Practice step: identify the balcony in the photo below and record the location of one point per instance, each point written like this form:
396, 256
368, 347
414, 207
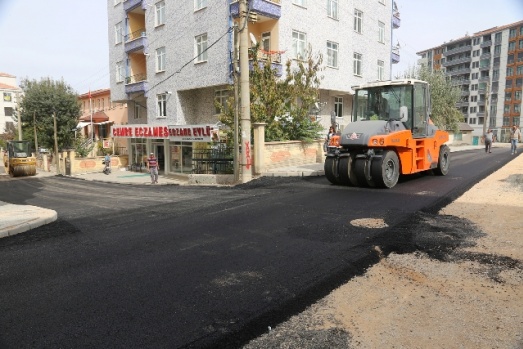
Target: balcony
266, 8
395, 57
136, 83
458, 71
484, 79
265, 56
136, 41
130, 5
396, 20
486, 44
456, 61
464, 48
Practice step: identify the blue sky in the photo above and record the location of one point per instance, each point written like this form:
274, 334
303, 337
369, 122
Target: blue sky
69, 38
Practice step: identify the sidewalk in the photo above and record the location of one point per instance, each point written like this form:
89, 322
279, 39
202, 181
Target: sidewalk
15, 219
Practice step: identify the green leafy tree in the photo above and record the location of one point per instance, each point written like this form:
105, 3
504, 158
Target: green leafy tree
43, 98
283, 104
444, 96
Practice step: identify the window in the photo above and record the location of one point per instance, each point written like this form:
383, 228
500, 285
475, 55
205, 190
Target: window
136, 111
512, 46
201, 48
472, 110
160, 59
381, 70
220, 97
332, 8
381, 32
506, 108
119, 71
506, 121
338, 106
8, 111
497, 37
300, 2
519, 70
358, 19
118, 33
497, 49
512, 33
521, 43
266, 41
161, 102
508, 96
357, 63
517, 109
495, 74
508, 84
199, 4
332, 54
159, 11
299, 43
510, 71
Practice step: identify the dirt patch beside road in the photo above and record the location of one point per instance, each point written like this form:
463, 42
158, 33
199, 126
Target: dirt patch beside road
464, 293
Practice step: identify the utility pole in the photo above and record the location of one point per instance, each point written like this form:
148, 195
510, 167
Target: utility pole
19, 117
246, 157
236, 107
36, 138
487, 93
57, 162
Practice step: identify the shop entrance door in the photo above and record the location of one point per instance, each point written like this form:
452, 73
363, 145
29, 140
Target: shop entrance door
161, 157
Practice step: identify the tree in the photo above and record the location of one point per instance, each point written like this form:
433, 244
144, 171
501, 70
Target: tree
283, 104
444, 96
40, 100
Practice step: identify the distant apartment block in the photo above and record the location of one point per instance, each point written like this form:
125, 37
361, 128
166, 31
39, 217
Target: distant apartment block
171, 60
9, 93
488, 67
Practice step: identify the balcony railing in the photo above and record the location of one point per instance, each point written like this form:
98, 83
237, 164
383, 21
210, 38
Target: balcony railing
136, 83
395, 57
455, 61
130, 5
266, 8
396, 20
136, 41
486, 43
265, 56
464, 48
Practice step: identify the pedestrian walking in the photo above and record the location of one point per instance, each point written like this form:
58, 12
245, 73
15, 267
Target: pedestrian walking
515, 136
489, 138
152, 166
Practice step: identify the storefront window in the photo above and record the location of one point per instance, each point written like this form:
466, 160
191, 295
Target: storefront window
139, 151
181, 157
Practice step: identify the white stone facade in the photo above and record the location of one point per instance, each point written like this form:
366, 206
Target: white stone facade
192, 85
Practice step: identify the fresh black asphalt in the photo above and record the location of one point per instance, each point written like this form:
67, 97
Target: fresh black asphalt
198, 267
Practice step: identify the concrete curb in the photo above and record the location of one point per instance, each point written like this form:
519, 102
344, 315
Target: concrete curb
18, 219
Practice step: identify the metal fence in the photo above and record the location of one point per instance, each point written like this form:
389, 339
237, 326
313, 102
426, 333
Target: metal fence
215, 160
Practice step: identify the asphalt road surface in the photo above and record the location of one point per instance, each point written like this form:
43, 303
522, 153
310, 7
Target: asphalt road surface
197, 267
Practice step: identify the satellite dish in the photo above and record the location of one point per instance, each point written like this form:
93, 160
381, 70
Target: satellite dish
253, 39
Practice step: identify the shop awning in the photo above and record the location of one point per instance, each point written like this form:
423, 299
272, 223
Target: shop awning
81, 125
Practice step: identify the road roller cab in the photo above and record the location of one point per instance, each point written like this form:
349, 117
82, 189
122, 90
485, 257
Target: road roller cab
18, 160
391, 134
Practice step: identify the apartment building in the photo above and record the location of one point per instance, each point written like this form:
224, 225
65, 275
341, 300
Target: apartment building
9, 92
172, 59
488, 67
